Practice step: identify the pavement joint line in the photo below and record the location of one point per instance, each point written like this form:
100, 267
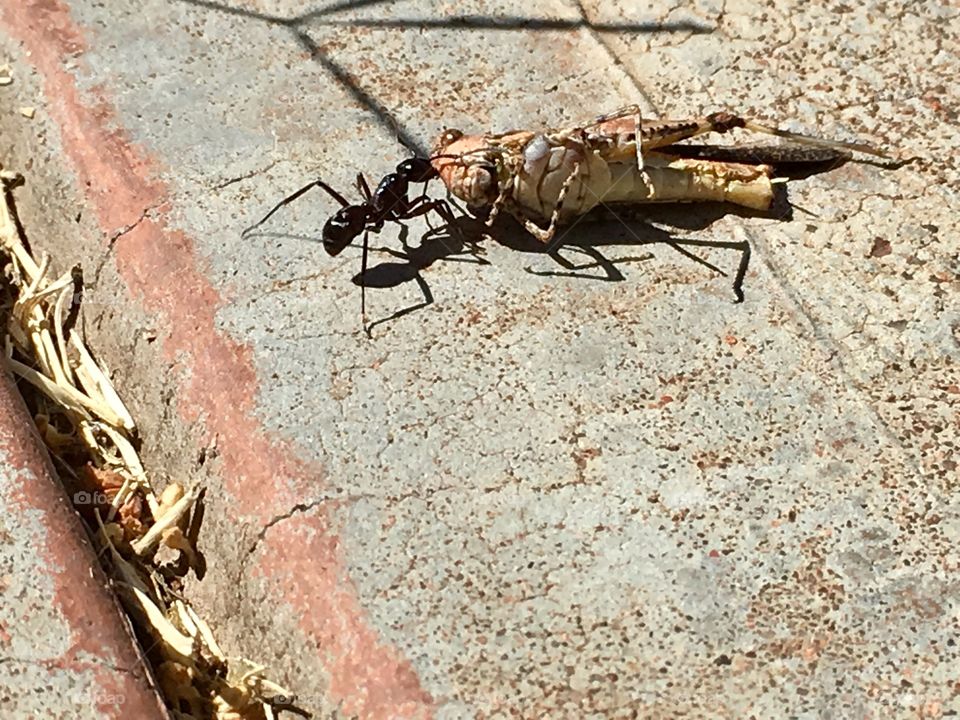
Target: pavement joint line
614, 57
833, 350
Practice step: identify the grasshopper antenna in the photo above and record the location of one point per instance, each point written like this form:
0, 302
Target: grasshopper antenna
818, 142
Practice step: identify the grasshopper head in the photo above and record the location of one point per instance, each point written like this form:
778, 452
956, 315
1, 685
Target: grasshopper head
468, 166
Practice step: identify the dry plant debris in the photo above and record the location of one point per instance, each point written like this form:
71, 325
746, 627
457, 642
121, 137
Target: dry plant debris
93, 438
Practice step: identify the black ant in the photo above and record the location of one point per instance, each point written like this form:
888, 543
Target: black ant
389, 201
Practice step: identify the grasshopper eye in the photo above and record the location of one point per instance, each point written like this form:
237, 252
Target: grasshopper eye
450, 136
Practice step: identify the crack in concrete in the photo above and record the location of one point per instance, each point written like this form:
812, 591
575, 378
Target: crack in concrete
147, 211
284, 284
305, 507
66, 665
246, 176
298, 509
857, 330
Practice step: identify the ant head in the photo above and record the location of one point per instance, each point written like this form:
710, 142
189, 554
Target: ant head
340, 230
417, 170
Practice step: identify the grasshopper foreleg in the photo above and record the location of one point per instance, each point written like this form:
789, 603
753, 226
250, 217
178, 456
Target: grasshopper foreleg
546, 236
506, 190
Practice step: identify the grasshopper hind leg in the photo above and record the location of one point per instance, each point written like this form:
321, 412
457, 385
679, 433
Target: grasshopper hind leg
626, 111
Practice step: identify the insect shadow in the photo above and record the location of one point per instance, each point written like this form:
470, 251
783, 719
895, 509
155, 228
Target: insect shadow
461, 236
456, 241
605, 227
461, 241
607, 224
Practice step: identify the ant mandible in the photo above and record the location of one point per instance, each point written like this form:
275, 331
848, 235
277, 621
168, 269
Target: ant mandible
389, 201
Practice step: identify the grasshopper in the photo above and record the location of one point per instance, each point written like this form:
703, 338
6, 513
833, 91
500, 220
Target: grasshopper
558, 175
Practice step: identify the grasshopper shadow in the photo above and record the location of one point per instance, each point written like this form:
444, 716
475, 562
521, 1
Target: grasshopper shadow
637, 226
462, 243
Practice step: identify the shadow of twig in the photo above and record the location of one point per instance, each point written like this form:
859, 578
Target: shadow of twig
298, 25
513, 22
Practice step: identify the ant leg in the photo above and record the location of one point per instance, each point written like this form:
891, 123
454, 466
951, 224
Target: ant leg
363, 284
363, 187
290, 198
423, 205
442, 208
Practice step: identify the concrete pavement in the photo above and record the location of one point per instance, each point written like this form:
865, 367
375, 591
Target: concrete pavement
543, 495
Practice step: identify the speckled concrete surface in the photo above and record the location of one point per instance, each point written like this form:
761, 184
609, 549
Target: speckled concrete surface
542, 495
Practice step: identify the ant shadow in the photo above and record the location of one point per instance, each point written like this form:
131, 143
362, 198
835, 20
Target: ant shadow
459, 242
